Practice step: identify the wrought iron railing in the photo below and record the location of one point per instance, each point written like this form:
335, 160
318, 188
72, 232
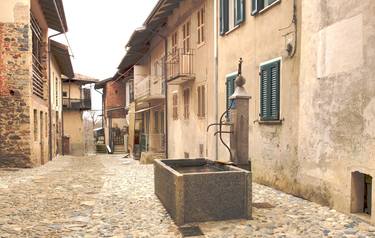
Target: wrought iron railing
180, 64
38, 82
152, 142
76, 104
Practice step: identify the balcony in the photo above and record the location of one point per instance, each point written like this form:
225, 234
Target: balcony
38, 83
76, 104
152, 143
148, 89
180, 66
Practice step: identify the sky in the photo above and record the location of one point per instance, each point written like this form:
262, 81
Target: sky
98, 31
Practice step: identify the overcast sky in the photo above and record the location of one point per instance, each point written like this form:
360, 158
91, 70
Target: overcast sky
98, 32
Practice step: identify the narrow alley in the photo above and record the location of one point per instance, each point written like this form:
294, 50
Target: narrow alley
108, 196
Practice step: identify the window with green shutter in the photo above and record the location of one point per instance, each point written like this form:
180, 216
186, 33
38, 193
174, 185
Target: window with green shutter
258, 5
270, 91
230, 87
232, 13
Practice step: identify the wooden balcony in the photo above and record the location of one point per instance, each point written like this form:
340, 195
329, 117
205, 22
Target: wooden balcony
37, 77
180, 66
71, 104
148, 89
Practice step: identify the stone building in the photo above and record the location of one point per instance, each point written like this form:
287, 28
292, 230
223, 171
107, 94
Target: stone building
336, 110
117, 97
76, 100
60, 64
168, 51
25, 79
309, 67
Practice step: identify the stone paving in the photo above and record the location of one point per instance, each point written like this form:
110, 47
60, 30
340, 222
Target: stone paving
107, 196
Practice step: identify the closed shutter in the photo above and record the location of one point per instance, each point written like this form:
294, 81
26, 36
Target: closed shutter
275, 91
270, 91
240, 11
230, 90
224, 18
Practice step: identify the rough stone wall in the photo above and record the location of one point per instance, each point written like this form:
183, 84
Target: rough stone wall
15, 89
337, 105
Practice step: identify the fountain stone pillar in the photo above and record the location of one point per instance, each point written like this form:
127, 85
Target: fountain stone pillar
239, 117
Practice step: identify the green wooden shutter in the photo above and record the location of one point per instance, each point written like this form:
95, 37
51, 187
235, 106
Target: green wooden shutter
230, 89
270, 91
275, 90
264, 92
239, 11
224, 17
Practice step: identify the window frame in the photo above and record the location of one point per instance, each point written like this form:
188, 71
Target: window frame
224, 18
201, 18
186, 97
263, 64
175, 106
201, 92
186, 36
259, 6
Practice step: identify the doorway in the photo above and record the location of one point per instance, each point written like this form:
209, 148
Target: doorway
361, 193
41, 139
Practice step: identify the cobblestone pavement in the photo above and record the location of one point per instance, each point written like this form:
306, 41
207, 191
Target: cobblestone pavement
107, 196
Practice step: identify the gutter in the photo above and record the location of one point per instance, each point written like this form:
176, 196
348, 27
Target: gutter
216, 77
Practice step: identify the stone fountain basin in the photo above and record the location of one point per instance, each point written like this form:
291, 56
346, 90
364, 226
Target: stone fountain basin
198, 190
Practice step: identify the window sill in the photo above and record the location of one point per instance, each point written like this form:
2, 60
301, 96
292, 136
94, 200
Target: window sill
201, 44
273, 122
267, 8
231, 30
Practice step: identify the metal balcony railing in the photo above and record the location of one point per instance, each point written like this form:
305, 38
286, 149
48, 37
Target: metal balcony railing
180, 64
37, 77
77, 104
152, 142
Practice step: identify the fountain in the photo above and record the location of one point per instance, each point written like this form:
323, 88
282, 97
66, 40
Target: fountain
198, 190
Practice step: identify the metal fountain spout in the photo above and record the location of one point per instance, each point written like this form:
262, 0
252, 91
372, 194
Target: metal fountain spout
238, 124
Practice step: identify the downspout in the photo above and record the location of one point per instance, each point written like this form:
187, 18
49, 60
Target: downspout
166, 95
49, 96
216, 77
62, 119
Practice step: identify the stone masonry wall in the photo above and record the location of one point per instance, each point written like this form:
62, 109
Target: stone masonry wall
15, 90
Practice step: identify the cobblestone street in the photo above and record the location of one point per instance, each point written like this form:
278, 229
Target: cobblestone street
107, 196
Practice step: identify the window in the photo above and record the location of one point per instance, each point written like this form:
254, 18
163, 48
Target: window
230, 90
175, 106
201, 101
131, 91
35, 125
57, 91
46, 124
156, 122
65, 94
200, 28
186, 36
270, 91
259, 5
186, 103
232, 13
174, 43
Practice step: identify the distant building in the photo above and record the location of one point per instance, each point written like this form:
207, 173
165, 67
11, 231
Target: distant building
29, 76
76, 100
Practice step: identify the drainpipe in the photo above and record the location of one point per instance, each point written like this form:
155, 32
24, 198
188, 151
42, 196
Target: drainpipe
166, 96
49, 96
216, 77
